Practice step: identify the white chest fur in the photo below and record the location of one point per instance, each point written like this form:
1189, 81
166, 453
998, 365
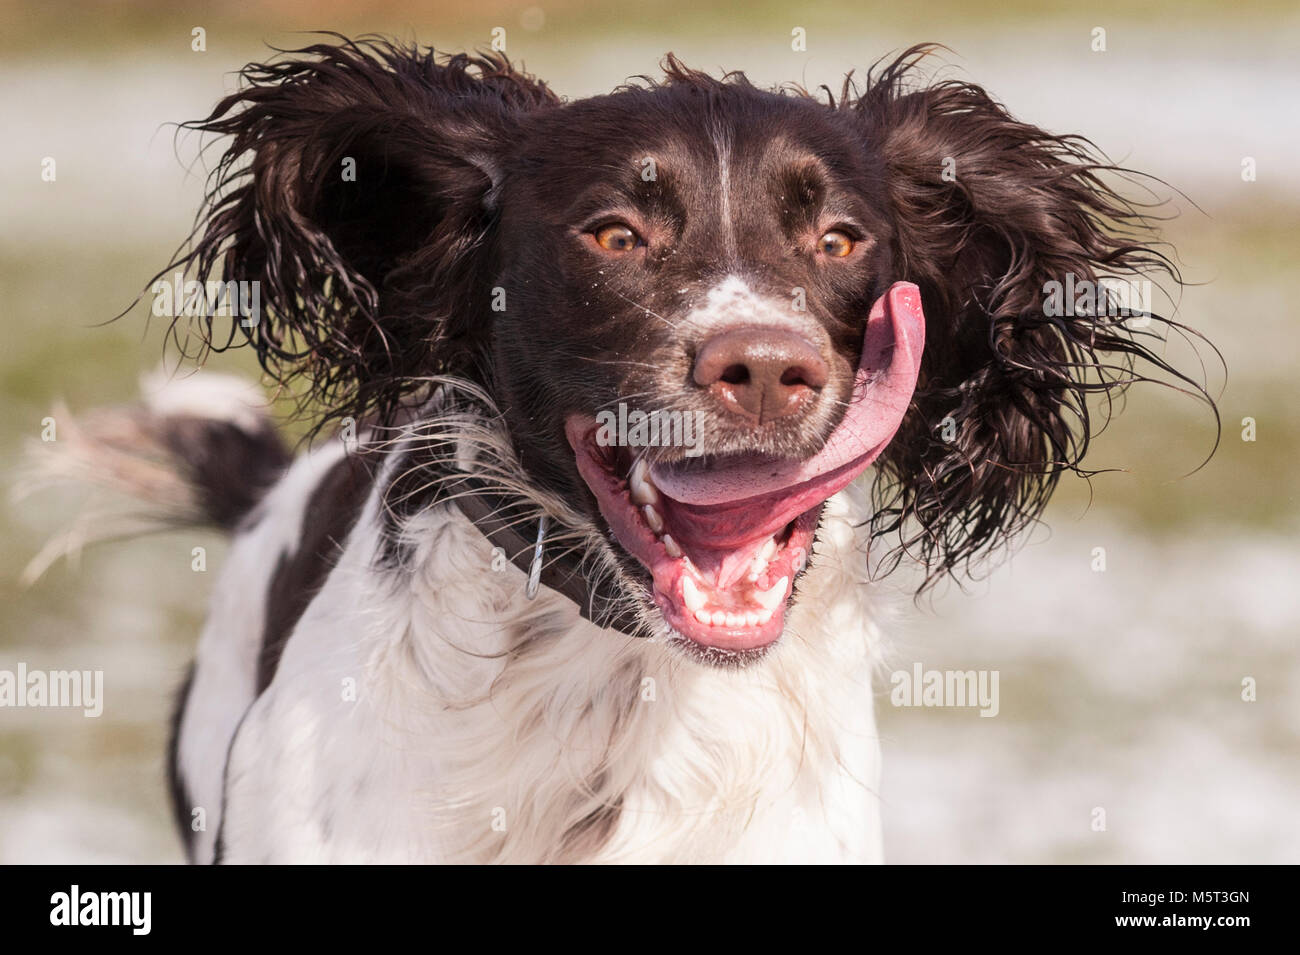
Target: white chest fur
438, 716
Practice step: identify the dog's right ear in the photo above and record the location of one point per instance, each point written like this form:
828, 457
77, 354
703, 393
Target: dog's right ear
357, 192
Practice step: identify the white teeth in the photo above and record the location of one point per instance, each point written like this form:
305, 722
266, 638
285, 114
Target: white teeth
653, 519
691, 595
770, 599
759, 564
798, 559
642, 491
694, 599
670, 545
641, 487
723, 618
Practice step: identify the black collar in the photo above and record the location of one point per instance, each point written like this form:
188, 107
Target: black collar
428, 473
505, 523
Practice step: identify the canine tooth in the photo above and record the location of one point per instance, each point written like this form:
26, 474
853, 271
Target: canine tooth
771, 599
653, 519
670, 545
719, 618
639, 484
768, 551
764, 616
691, 595
703, 616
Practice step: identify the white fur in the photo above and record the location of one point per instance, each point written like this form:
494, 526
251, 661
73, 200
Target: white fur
431, 713
204, 395
485, 727
722, 143
732, 302
225, 666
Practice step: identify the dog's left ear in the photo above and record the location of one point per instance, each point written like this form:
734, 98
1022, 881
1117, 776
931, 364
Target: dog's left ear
356, 192
990, 212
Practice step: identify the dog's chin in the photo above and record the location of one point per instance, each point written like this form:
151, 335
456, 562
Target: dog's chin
715, 657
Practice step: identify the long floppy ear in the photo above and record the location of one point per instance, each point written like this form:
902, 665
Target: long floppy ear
990, 212
356, 192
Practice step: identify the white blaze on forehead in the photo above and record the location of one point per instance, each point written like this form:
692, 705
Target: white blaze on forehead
722, 144
732, 302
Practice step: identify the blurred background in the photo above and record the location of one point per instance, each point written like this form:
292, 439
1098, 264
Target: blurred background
1119, 689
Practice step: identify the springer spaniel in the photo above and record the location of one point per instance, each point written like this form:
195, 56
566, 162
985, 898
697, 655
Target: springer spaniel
575, 568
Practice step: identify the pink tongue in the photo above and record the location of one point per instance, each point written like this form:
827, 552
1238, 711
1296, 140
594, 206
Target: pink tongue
882, 389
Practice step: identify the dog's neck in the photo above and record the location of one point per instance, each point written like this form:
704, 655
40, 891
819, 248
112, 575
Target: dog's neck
496, 517
455, 449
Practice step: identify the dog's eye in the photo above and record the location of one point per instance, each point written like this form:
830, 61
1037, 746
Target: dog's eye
836, 244
616, 237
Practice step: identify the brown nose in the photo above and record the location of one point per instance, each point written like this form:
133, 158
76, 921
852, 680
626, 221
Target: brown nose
760, 373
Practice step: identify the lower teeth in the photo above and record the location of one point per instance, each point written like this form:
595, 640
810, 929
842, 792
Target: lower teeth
720, 618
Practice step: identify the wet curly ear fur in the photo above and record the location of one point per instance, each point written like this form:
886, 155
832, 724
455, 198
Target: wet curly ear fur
1002, 408
356, 189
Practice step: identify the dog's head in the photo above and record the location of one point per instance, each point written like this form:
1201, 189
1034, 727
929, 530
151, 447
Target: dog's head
702, 307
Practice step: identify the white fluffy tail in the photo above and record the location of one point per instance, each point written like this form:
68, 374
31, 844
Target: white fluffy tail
200, 449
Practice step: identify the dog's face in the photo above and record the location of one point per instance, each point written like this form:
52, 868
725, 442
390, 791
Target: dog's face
706, 265
630, 237
701, 307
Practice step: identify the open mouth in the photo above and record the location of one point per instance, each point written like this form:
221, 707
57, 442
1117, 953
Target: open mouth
725, 538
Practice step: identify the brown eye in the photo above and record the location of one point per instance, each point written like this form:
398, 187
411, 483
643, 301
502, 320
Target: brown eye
616, 237
836, 244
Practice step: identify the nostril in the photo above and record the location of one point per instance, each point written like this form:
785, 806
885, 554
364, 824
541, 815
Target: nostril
798, 376
735, 375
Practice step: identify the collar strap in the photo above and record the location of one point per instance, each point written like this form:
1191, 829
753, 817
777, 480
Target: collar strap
511, 527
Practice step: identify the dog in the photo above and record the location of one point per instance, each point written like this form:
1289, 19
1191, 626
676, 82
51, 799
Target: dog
575, 565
